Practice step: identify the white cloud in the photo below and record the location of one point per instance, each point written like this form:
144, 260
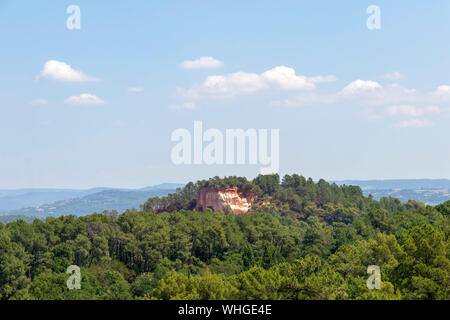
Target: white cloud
443, 89
61, 71
286, 79
305, 100
226, 86
405, 111
323, 79
359, 86
372, 93
39, 102
432, 110
442, 92
365, 93
186, 105
413, 123
412, 112
202, 63
85, 98
379, 102
135, 89
393, 76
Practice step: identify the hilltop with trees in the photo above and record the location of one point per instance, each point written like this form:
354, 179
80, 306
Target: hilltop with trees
310, 241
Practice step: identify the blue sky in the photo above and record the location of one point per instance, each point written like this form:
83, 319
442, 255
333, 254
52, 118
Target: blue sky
350, 103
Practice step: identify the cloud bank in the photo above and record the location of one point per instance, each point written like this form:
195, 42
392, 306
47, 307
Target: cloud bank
238, 83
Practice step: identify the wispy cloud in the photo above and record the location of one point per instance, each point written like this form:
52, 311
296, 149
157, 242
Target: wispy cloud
359, 92
306, 99
118, 123
393, 76
405, 111
201, 63
414, 123
374, 94
61, 71
186, 105
85, 98
39, 102
135, 89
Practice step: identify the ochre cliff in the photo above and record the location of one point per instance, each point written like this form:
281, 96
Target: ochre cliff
226, 199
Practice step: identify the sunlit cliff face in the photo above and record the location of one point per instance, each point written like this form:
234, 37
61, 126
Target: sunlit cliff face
226, 199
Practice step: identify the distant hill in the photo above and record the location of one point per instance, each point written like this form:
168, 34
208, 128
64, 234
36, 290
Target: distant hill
12, 218
76, 202
20, 198
427, 196
98, 202
163, 186
428, 191
398, 184
24, 198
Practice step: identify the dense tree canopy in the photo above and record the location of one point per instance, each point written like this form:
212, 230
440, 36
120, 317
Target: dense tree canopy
310, 241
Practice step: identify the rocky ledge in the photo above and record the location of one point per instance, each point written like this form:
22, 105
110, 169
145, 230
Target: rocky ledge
229, 199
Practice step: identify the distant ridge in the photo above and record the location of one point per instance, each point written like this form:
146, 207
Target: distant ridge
398, 184
428, 191
166, 186
29, 197
106, 200
20, 198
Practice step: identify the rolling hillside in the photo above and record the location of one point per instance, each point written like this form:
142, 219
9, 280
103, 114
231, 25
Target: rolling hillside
105, 199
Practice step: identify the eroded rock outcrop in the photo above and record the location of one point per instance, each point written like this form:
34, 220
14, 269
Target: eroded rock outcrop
226, 199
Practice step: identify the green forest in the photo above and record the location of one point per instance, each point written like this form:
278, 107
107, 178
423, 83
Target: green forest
310, 240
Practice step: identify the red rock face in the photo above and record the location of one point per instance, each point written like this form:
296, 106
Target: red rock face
225, 199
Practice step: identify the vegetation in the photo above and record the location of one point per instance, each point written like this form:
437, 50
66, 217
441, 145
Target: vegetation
313, 241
